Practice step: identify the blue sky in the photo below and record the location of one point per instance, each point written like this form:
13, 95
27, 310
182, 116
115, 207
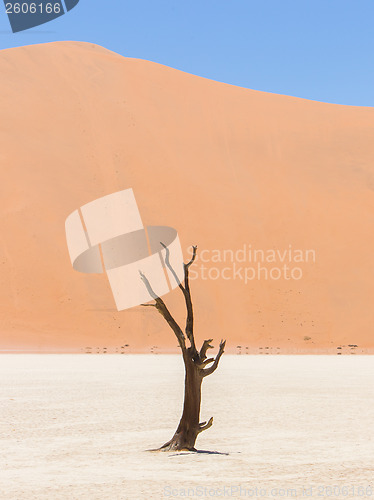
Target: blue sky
317, 49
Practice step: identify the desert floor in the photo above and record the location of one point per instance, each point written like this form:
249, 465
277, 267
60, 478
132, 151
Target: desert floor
78, 427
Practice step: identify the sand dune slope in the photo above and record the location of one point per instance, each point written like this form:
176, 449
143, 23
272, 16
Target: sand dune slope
226, 166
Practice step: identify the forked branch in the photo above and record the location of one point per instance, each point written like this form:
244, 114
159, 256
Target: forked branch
211, 369
205, 347
204, 425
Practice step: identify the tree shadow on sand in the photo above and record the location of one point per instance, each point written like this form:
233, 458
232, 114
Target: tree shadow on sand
194, 452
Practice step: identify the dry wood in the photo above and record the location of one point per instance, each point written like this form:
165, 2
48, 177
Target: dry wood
195, 363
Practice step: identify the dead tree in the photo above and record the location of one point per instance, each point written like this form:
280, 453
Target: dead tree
195, 363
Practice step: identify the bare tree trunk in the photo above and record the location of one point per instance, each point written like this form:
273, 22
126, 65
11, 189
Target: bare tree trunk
195, 363
188, 428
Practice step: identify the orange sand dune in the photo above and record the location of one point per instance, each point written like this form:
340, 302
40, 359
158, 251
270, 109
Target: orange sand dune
226, 166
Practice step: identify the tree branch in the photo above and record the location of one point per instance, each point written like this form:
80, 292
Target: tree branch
186, 292
204, 425
208, 371
194, 251
204, 363
204, 349
164, 311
